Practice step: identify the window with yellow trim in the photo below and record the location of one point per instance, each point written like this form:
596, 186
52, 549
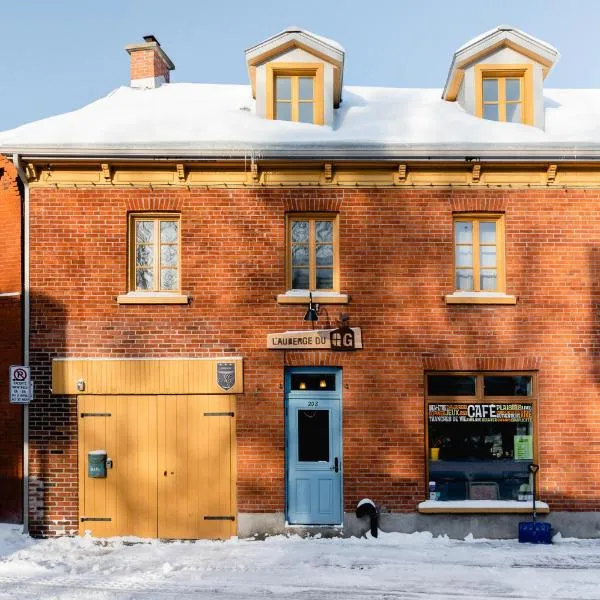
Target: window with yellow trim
503, 99
504, 93
312, 252
295, 92
154, 253
479, 253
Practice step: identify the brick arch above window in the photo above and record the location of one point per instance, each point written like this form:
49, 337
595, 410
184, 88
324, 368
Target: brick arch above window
310, 358
479, 203
297, 203
151, 204
482, 363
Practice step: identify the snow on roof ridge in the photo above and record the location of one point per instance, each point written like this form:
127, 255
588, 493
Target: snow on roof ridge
297, 29
499, 28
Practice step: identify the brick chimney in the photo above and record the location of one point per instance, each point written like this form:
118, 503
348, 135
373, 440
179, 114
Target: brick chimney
150, 66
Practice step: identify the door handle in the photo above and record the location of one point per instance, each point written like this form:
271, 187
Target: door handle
336, 464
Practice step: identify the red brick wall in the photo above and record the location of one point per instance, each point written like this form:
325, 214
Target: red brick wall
11, 437
396, 262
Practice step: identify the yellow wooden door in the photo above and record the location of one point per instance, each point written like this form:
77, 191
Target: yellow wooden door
173, 466
125, 502
196, 491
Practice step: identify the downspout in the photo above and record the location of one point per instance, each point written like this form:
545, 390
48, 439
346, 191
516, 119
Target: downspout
26, 305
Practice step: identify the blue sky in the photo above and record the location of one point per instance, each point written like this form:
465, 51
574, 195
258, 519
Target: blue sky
59, 56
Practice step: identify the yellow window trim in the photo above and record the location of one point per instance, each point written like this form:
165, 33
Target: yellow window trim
131, 280
477, 218
312, 217
294, 70
517, 71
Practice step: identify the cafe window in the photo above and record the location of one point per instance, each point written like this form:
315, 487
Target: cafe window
480, 435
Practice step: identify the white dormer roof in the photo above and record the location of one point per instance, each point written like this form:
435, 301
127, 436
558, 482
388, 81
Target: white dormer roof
502, 36
295, 37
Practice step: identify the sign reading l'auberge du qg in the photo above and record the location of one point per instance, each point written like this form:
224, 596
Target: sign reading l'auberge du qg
21, 387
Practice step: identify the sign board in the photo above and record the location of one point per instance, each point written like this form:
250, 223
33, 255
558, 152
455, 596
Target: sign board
523, 447
480, 413
346, 338
21, 387
226, 375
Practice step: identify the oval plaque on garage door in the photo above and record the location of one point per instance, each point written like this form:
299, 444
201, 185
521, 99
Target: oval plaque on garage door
226, 375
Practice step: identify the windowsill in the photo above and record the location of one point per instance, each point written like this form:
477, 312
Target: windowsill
302, 297
479, 298
152, 298
481, 506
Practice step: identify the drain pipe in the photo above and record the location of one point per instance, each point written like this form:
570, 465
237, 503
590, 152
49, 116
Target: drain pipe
26, 304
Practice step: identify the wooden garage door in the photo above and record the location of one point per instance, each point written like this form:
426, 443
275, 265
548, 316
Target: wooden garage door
173, 472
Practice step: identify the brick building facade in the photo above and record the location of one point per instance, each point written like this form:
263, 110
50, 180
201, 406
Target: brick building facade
397, 249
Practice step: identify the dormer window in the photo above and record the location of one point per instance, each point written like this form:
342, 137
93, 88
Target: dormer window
296, 76
296, 93
503, 94
499, 76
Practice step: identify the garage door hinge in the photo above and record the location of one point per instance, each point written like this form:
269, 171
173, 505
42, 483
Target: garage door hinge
95, 519
83, 415
219, 414
219, 518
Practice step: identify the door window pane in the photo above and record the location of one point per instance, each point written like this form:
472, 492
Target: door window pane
313, 382
313, 435
451, 385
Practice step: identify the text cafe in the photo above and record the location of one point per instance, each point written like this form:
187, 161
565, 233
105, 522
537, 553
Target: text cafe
480, 435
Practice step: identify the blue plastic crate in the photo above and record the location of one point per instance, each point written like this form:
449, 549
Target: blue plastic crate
535, 533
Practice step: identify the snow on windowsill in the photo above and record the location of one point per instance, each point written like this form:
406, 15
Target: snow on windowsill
481, 506
479, 298
303, 297
152, 298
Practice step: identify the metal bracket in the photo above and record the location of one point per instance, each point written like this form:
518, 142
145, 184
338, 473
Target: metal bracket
219, 414
83, 415
210, 518
95, 519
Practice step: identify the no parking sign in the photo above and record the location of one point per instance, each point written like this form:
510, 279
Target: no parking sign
21, 387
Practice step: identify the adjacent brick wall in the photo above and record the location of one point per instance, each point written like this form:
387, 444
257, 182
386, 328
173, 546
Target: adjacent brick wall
396, 262
11, 427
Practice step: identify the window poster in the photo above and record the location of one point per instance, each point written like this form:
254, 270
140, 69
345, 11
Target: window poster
480, 413
523, 447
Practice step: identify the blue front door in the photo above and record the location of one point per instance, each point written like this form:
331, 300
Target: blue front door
314, 450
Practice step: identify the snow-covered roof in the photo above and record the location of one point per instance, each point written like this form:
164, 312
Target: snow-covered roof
198, 120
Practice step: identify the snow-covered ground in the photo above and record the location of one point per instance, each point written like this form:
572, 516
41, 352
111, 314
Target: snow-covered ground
393, 566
